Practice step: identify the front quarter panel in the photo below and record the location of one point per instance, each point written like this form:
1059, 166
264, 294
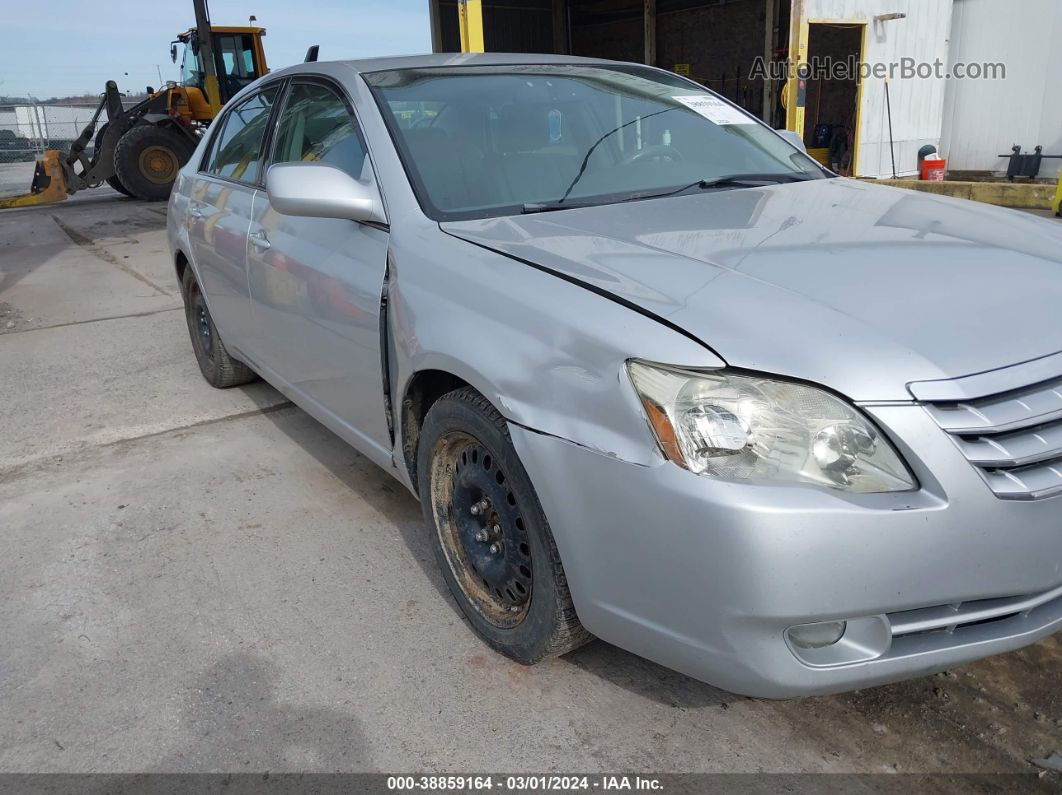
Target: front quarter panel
549, 354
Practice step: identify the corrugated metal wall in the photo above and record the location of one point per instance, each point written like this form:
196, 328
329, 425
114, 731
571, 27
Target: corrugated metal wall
917, 104
518, 25
970, 121
984, 118
447, 38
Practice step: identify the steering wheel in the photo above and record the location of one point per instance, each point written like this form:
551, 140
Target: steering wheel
654, 152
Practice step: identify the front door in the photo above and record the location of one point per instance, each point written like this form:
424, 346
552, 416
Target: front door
219, 214
316, 283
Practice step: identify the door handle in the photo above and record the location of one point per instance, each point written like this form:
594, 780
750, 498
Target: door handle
259, 240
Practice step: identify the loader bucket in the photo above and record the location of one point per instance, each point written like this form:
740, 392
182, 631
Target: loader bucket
48, 186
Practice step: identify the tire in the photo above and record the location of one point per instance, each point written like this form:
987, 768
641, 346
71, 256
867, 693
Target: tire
113, 180
500, 561
116, 183
217, 366
147, 159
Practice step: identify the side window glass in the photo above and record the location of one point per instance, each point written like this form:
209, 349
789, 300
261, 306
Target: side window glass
316, 126
234, 59
238, 148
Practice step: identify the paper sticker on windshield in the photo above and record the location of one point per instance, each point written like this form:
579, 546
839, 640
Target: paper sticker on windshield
714, 109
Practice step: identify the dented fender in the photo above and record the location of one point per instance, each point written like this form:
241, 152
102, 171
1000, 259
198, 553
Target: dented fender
549, 353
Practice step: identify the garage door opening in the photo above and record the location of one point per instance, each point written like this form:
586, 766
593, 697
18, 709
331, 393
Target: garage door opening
831, 117
734, 47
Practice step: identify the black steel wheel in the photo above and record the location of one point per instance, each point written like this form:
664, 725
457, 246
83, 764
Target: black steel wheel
493, 543
484, 538
215, 363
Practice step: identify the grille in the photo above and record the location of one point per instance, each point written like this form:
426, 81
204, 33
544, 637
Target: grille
1014, 439
951, 618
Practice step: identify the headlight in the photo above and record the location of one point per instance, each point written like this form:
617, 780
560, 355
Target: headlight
738, 427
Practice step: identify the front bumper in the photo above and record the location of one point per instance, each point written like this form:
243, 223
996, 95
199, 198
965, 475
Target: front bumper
705, 576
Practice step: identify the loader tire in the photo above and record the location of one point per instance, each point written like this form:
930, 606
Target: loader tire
147, 159
116, 183
112, 180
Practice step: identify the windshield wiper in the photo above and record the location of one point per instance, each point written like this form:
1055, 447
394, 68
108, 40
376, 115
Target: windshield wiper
546, 207
729, 181
590, 151
751, 180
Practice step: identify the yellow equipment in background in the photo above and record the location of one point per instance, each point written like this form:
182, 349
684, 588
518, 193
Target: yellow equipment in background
470, 22
138, 151
1058, 197
47, 186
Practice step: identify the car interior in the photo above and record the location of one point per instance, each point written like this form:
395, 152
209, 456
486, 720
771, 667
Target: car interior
523, 140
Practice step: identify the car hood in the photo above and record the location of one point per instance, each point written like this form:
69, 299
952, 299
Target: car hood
860, 287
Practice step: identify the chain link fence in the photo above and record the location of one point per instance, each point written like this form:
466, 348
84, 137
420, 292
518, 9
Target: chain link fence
27, 130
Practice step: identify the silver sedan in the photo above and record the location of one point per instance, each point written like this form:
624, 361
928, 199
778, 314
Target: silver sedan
654, 375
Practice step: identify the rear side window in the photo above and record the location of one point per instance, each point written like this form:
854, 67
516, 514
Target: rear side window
316, 126
237, 152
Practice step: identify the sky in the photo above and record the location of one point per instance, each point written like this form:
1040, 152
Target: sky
65, 48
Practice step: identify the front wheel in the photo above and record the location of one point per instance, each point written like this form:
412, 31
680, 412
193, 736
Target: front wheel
492, 540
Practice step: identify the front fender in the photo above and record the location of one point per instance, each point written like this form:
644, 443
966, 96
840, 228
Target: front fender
549, 354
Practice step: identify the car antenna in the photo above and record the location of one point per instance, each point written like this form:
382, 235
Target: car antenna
311, 54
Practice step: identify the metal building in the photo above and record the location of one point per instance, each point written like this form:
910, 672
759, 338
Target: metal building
725, 45
985, 118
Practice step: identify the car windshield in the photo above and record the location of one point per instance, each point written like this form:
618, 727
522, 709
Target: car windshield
499, 140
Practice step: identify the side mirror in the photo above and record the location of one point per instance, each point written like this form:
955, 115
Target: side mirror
322, 191
173, 51
796, 139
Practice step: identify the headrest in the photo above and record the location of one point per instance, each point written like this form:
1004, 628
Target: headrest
526, 127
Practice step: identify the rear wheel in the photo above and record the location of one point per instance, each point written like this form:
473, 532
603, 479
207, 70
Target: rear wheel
492, 540
147, 159
217, 366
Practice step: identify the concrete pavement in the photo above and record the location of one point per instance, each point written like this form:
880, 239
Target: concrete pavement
205, 580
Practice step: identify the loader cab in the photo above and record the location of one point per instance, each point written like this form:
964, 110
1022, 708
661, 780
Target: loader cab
239, 59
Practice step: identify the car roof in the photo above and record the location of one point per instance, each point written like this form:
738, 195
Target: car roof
387, 63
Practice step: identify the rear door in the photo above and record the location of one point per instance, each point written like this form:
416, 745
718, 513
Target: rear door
219, 213
316, 283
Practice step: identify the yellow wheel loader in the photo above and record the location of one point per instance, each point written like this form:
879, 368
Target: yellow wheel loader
139, 150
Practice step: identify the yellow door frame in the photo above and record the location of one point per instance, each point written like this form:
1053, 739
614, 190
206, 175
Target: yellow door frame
470, 19
798, 57
795, 111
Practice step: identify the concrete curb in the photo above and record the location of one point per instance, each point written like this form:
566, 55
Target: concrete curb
1019, 195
